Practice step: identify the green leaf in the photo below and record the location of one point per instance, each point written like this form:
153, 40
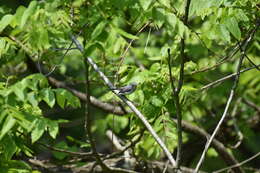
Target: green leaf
18, 89
28, 12
32, 99
65, 98
18, 15
7, 125
5, 21
232, 26
90, 48
125, 34
182, 29
19, 166
223, 32
53, 128
155, 58
60, 97
241, 16
25, 120
98, 30
188, 94
43, 38
172, 20
167, 3
203, 7
48, 96
159, 16
145, 3
119, 123
8, 147
35, 81
38, 131
156, 101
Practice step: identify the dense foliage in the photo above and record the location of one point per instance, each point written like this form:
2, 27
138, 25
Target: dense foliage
43, 81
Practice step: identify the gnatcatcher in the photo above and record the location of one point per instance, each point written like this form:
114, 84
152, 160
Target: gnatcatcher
128, 89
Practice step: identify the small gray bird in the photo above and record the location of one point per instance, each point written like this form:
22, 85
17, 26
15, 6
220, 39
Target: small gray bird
128, 89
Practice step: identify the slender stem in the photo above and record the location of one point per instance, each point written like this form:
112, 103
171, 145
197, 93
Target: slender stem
88, 121
178, 111
178, 89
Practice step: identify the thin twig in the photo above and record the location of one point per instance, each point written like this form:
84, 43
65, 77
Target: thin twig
115, 140
176, 99
166, 166
239, 164
226, 77
122, 56
252, 63
132, 144
89, 154
251, 104
238, 131
129, 45
147, 40
127, 102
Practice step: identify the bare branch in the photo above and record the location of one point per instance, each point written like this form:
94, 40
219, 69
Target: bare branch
88, 154
179, 86
226, 77
238, 131
251, 104
93, 100
178, 110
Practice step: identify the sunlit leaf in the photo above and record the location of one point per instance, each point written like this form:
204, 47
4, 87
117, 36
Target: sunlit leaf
53, 128
6, 126
125, 34
39, 129
28, 12
232, 26
145, 3
5, 21
99, 28
48, 96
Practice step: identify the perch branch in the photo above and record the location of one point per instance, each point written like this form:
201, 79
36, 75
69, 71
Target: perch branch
129, 103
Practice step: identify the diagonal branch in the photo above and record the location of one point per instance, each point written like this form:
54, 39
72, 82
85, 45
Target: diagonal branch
226, 77
238, 164
218, 146
127, 102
